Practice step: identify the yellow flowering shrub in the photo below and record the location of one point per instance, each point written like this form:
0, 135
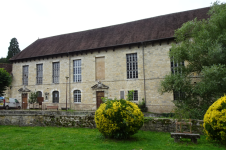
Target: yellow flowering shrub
118, 118
215, 121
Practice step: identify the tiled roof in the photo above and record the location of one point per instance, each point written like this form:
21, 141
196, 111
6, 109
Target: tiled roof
7, 67
155, 28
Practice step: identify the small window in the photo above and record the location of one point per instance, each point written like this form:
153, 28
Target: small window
132, 69
135, 95
178, 95
39, 94
77, 96
176, 67
122, 95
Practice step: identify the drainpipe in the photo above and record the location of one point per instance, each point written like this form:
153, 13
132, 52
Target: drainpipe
144, 73
69, 63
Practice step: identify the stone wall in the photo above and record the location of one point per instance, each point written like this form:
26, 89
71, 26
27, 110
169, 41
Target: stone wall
168, 125
83, 119
47, 118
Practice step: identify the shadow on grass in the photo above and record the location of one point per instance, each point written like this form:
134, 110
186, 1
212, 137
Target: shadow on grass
130, 139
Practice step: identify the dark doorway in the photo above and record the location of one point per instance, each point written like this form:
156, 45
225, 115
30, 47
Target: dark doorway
99, 95
55, 97
24, 100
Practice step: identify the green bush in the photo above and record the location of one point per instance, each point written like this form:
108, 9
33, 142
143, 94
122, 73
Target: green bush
118, 118
142, 106
215, 121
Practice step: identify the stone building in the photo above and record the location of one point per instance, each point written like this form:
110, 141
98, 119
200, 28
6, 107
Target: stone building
103, 62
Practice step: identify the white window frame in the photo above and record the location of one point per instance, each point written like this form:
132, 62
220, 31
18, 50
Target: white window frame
135, 95
122, 94
132, 66
176, 67
77, 96
77, 70
39, 73
56, 72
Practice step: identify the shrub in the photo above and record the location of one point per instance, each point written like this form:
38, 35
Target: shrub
118, 118
215, 121
142, 105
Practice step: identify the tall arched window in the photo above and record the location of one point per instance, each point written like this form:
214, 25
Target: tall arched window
55, 97
77, 96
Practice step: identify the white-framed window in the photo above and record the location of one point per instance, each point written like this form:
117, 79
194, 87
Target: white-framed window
135, 95
122, 95
77, 71
77, 96
56, 72
25, 75
39, 71
132, 69
176, 67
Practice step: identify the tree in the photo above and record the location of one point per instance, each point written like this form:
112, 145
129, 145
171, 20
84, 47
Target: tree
33, 98
5, 80
202, 45
13, 48
4, 60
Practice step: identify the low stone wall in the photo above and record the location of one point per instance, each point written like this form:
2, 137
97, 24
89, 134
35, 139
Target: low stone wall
83, 119
168, 125
48, 118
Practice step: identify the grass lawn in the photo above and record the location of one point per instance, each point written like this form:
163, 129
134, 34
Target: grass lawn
53, 138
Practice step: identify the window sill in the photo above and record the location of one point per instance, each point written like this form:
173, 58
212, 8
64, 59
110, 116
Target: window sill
133, 79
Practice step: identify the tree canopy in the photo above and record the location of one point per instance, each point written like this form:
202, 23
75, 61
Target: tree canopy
5, 80
13, 48
201, 44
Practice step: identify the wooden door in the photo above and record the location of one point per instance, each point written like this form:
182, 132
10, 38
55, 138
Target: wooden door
99, 95
24, 101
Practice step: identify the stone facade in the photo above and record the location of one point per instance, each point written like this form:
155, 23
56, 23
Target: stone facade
153, 61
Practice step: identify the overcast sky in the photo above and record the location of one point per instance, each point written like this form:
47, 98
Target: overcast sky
28, 20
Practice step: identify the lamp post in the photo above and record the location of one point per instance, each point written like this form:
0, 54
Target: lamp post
66, 91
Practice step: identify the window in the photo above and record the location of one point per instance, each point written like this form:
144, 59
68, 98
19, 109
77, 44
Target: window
77, 96
175, 69
135, 95
77, 72
55, 97
131, 62
39, 73
56, 72
178, 95
122, 96
175, 66
25, 75
39, 93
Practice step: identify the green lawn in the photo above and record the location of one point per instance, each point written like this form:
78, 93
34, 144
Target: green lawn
21, 138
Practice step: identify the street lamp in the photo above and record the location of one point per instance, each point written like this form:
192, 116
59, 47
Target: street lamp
66, 90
